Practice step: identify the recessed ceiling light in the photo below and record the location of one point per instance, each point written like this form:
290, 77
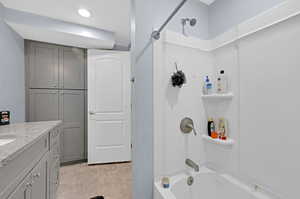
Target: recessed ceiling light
84, 13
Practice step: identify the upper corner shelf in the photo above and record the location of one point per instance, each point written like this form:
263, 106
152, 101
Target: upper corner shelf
218, 96
228, 142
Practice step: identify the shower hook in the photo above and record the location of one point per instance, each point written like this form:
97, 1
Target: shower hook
176, 66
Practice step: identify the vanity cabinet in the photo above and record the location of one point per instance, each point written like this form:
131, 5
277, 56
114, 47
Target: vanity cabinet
34, 173
35, 184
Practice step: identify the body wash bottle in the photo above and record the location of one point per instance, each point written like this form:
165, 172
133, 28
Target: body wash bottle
207, 88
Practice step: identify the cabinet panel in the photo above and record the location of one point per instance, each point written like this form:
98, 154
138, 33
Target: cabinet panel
43, 65
54, 178
54, 163
23, 191
43, 105
73, 116
72, 68
39, 181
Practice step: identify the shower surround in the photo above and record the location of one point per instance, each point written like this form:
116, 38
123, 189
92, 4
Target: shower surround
259, 57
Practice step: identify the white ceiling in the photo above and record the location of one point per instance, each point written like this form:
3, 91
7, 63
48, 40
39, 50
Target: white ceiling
208, 2
111, 15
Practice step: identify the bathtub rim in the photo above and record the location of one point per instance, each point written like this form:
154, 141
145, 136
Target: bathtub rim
167, 193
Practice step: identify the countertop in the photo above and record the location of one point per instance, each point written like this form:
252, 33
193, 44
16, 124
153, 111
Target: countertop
25, 134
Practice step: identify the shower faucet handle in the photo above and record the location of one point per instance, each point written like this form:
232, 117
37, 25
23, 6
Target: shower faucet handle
187, 126
193, 128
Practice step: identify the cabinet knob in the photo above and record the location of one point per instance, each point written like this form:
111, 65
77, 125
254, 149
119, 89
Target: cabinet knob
92, 113
37, 175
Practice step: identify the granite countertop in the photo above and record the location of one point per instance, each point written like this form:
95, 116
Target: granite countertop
25, 134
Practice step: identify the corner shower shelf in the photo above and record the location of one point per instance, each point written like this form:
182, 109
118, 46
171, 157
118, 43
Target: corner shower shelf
228, 142
218, 96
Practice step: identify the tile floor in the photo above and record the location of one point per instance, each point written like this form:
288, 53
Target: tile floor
81, 181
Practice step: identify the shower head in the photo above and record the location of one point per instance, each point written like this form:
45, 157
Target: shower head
192, 21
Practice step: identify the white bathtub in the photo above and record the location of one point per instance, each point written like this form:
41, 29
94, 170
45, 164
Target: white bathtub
207, 185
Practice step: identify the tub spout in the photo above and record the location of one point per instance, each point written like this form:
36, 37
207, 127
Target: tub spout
192, 164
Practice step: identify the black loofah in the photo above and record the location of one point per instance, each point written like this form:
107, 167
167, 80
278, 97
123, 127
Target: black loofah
178, 79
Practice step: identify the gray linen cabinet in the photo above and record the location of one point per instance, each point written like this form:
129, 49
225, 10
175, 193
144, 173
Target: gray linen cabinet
56, 90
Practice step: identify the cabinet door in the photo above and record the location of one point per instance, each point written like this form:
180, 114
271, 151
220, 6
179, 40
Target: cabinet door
23, 191
39, 181
43, 105
72, 68
54, 178
72, 114
43, 65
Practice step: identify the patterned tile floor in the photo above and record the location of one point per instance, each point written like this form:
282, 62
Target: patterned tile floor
80, 181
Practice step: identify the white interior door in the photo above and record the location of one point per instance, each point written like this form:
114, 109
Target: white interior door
109, 123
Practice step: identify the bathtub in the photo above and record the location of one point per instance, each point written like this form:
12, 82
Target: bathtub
207, 185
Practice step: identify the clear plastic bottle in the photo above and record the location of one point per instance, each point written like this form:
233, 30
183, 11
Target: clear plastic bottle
222, 82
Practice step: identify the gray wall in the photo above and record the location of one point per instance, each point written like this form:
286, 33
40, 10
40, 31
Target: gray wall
192, 9
142, 102
12, 83
225, 14
150, 15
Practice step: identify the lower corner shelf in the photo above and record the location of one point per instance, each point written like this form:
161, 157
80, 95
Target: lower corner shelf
228, 142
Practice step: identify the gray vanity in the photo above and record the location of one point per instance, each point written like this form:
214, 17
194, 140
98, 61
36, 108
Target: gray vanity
29, 160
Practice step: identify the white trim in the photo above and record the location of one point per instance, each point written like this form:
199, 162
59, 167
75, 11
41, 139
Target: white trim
191, 42
207, 2
158, 104
275, 15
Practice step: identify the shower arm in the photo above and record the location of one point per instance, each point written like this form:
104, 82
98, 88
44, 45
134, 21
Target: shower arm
156, 34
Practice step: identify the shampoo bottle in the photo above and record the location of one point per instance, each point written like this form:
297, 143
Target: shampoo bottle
210, 125
212, 129
222, 129
222, 82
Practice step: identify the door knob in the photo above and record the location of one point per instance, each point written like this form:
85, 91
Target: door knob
92, 113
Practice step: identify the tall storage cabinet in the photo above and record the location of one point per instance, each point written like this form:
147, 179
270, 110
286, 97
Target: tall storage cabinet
72, 111
56, 90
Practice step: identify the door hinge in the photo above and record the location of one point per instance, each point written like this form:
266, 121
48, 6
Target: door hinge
131, 146
132, 80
